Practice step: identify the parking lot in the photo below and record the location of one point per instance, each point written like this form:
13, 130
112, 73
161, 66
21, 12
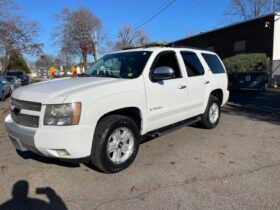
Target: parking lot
234, 166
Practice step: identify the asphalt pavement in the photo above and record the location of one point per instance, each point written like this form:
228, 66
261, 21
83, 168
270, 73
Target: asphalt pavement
265, 101
234, 166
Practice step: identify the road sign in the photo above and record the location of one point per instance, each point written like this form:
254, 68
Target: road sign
74, 68
52, 69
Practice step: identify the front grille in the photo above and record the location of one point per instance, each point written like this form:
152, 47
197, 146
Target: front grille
26, 120
33, 106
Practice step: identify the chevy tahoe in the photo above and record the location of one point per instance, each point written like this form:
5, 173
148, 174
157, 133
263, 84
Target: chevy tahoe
103, 115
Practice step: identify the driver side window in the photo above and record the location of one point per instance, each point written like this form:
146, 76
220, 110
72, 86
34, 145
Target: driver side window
168, 59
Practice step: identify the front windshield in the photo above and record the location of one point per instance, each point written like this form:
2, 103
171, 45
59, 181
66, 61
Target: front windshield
127, 65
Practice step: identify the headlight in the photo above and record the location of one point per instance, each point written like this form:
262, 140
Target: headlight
62, 114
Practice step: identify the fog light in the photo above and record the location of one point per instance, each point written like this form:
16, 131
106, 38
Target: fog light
62, 152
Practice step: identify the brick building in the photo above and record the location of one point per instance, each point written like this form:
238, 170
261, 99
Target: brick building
259, 35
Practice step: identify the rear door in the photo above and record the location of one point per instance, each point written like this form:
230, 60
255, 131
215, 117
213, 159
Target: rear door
197, 81
216, 67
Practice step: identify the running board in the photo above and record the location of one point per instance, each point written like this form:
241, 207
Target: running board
167, 129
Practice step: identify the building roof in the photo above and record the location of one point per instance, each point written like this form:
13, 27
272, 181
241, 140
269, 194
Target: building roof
227, 26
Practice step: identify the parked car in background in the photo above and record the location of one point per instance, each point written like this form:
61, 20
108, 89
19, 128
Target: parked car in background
6, 89
30, 78
13, 81
20, 75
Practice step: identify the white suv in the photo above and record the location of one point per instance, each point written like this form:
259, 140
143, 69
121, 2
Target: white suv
103, 115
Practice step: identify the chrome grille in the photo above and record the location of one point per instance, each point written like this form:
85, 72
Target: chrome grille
33, 106
26, 120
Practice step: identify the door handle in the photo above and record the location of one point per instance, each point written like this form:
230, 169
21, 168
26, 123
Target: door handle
206, 82
182, 86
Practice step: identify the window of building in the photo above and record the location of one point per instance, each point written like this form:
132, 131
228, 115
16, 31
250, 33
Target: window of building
210, 48
239, 46
214, 63
192, 63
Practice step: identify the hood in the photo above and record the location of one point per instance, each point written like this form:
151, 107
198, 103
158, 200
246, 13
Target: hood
57, 90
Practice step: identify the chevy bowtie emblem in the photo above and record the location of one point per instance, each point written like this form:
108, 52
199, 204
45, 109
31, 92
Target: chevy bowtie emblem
16, 111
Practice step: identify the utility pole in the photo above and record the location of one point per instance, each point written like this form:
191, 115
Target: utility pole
272, 6
95, 46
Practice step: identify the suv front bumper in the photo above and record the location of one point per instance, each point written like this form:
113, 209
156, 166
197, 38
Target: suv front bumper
48, 140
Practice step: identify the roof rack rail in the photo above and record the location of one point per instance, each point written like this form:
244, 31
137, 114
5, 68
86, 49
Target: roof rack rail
172, 44
147, 45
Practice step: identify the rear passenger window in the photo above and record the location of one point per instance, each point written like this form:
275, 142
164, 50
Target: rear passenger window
214, 63
192, 63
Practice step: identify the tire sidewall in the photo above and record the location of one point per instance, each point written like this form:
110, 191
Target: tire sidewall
106, 162
212, 100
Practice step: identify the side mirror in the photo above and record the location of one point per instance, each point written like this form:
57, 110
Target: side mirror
162, 72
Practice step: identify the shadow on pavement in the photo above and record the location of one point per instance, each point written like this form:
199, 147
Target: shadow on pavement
272, 118
20, 199
269, 100
33, 156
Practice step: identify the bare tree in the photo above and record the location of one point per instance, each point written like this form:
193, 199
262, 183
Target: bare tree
246, 9
129, 36
75, 32
67, 59
17, 35
6, 8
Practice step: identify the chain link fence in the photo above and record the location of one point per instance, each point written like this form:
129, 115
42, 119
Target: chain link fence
274, 73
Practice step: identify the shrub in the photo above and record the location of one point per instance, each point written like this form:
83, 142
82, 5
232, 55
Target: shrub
255, 62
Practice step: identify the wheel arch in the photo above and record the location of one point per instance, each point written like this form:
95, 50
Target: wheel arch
133, 112
219, 94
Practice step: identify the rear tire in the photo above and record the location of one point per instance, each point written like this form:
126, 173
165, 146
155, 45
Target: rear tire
115, 143
211, 116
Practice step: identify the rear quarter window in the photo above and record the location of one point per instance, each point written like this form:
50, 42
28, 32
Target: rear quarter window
214, 63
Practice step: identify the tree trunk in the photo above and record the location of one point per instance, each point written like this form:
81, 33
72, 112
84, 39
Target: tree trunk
85, 59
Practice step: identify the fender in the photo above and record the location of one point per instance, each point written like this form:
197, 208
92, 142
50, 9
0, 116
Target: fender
116, 101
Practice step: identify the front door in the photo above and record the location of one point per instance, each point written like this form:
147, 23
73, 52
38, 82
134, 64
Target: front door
166, 99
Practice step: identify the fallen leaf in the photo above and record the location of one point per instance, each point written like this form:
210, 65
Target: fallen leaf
224, 181
3, 168
133, 189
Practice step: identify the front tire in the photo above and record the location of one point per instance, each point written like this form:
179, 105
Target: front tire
115, 143
211, 116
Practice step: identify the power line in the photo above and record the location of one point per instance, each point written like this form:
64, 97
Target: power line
155, 15
155, 11
182, 11
144, 21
